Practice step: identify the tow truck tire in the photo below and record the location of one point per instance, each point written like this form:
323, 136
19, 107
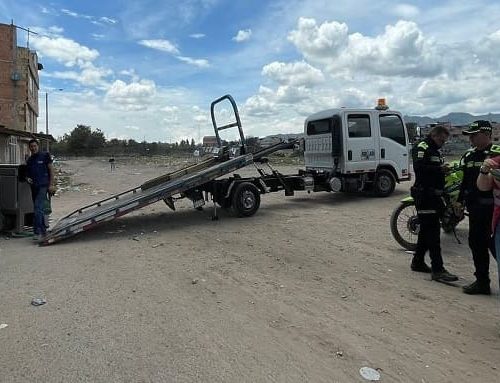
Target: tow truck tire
385, 183
246, 200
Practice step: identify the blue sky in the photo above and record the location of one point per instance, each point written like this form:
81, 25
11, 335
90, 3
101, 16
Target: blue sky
149, 69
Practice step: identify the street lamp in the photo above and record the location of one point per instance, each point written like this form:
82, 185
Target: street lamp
47, 116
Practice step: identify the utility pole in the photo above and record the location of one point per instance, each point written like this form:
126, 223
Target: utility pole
47, 116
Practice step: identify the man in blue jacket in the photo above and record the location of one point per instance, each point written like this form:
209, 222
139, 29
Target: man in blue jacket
41, 178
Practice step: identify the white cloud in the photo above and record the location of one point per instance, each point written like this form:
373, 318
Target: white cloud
63, 50
108, 20
401, 50
161, 45
243, 35
93, 19
89, 75
170, 109
201, 118
200, 63
134, 96
70, 13
131, 73
406, 11
260, 105
322, 41
55, 30
295, 74
197, 35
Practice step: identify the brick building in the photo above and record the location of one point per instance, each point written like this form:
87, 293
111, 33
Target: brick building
19, 85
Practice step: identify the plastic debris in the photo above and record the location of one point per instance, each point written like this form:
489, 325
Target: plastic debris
38, 301
369, 374
3, 325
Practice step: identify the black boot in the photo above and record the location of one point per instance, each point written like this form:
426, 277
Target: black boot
419, 265
443, 276
477, 287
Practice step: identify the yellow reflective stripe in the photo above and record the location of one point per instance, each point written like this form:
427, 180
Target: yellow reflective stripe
495, 149
435, 159
420, 154
423, 145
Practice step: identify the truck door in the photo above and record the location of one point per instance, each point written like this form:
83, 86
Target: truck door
394, 143
361, 149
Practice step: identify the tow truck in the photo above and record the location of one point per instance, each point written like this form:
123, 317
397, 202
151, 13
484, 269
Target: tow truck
344, 150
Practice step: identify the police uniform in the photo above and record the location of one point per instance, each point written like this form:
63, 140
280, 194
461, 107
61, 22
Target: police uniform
427, 191
480, 208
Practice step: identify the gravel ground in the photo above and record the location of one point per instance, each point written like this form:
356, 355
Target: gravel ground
310, 289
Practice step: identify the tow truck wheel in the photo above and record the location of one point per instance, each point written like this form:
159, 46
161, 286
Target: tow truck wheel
246, 200
384, 183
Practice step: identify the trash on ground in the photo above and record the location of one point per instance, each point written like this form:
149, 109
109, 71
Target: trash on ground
3, 325
38, 301
369, 374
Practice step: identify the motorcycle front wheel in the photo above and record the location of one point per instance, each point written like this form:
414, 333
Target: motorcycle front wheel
405, 225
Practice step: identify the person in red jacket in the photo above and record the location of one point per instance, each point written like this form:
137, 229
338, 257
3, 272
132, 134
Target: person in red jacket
489, 179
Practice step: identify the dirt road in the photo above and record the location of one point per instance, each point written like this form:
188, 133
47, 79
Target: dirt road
310, 289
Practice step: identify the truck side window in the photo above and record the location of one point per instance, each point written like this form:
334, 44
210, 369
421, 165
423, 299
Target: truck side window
319, 127
359, 125
392, 127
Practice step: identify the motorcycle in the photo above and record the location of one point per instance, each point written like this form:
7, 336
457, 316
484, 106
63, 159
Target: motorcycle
404, 219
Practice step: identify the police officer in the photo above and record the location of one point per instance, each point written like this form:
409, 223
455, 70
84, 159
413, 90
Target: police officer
479, 203
427, 192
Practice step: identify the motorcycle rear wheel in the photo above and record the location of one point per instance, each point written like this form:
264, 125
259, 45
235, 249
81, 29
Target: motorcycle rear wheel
405, 225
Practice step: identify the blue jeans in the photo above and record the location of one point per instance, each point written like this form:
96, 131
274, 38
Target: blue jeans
39, 194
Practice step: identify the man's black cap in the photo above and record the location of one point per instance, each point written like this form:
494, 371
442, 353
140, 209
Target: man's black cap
478, 126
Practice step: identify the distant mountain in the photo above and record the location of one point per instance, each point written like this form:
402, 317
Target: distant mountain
453, 118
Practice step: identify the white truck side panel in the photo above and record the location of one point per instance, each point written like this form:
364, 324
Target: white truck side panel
318, 152
361, 153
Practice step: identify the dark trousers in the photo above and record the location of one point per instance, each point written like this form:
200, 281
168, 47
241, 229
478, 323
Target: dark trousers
429, 239
480, 241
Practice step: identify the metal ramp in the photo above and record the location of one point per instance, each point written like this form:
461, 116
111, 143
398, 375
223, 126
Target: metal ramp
118, 205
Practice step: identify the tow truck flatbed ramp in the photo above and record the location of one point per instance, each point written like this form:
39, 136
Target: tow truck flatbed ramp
189, 182
118, 205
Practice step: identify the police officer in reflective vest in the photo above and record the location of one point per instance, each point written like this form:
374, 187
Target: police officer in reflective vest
479, 203
427, 192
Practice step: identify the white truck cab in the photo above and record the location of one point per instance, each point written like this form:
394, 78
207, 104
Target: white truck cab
358, 149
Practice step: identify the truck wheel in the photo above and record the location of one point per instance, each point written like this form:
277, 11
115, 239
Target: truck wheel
384, 183
246, 200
